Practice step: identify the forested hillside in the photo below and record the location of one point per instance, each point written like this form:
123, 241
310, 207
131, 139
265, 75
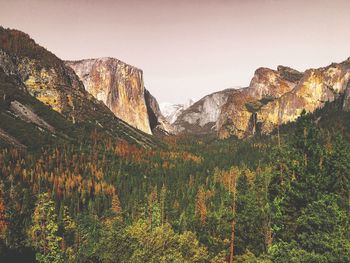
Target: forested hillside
277, 198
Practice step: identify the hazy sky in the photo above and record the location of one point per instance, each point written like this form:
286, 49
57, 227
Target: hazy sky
189, 48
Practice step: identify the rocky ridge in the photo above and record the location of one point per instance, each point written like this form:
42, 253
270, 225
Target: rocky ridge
30, 71
278, 97
273, 97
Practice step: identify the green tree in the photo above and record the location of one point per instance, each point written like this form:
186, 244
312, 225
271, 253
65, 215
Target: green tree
162, 244
44, 231
113, 245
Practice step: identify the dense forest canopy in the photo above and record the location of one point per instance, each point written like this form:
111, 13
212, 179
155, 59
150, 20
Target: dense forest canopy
278, 198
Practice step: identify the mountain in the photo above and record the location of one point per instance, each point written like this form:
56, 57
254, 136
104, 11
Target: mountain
109, 94
172, 111
279, 97
273, 97
29, 71
120, 87
225, 112
201, 117
238, 112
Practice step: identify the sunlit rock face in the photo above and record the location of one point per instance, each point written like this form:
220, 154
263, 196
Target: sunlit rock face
118, 85
31, 70
237, 116
315, 88
45, 77
278, 97
34, 78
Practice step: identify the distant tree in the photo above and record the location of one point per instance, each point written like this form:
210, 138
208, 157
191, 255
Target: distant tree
229, 180
162, 198
152, 204
201, 206
3, 218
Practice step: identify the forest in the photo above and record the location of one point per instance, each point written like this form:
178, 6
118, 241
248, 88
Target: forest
278, 198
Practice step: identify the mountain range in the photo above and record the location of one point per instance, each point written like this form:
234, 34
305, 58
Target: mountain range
50, 99
274, 97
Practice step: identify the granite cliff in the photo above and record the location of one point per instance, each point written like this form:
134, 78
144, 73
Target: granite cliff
110, 94
120, 87
32, 77
273, 97
237, 115
201, 117
171, 111
230, 112
279, 97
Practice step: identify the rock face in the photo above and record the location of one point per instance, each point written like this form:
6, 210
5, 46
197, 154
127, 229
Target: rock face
278, 97
31, 76
172, 111
315, 88
118, 85
45, 76
201, 117
159, 124
237, 116
234, 111
273, 97
42, 82
27, 115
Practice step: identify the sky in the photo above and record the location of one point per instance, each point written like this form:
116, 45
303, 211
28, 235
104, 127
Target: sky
189, 48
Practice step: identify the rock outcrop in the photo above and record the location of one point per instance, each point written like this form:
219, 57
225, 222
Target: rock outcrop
278, 97
315, 88
237, 116
118, 85
57, 87
32, 76
202, 116
274, 97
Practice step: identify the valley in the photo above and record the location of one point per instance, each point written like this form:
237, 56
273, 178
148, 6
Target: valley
94, 169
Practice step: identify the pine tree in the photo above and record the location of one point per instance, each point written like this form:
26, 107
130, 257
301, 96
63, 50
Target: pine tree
152, 199
162, 202
3, 219
229, 180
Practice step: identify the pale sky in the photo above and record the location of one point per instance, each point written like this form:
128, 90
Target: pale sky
189, 48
